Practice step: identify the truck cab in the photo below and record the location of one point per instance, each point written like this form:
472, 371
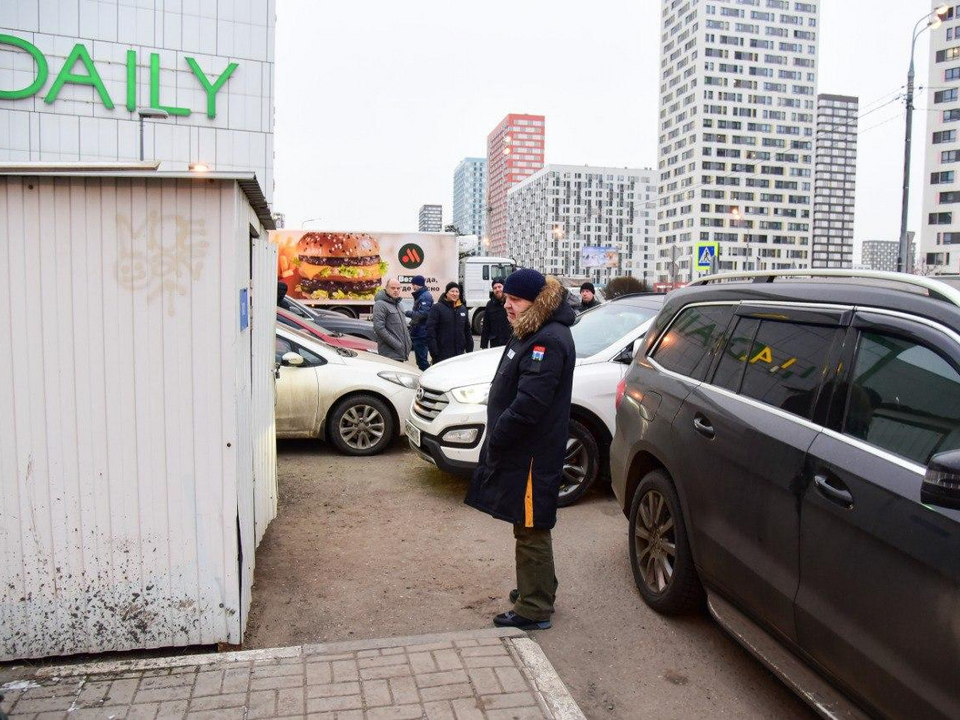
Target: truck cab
476, 275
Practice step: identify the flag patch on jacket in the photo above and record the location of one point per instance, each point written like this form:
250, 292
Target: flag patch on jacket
538, 351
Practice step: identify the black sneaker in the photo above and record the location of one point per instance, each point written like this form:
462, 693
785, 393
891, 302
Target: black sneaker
514, 596
511, 619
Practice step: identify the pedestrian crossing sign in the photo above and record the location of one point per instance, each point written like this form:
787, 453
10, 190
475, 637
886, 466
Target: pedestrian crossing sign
706, 254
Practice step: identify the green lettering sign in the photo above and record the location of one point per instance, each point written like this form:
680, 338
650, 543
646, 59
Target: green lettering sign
42, 70
67, 75
155, 88
131, 80
213, 89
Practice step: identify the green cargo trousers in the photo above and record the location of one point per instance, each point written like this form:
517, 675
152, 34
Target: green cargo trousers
536, 578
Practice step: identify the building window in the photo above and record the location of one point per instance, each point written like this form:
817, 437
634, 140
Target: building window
942, 96
952, 74
943, 136
950, 156
951, 115
940, 218
948, 54
948, 238
941, 178
949, 197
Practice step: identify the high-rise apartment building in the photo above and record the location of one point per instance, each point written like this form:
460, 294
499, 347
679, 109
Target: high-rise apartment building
470, 196
514, 152
431, 218
834, 181
737, 102
581, 220
940, 232
882, 254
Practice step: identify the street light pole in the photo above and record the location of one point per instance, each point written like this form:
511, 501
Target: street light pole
304, 223
930, 20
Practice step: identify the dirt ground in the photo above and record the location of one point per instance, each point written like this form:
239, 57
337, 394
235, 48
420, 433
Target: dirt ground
384, 546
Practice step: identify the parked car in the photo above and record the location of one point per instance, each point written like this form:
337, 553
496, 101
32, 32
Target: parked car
285, 317
330, 319
357, 401
792, 448
448, 418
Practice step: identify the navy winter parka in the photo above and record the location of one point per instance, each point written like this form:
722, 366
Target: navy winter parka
422, 302
528, 416
448, 330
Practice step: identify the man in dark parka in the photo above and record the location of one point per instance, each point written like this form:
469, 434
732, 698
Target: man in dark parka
496, 327
528, 414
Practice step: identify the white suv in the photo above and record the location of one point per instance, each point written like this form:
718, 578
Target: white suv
447, 421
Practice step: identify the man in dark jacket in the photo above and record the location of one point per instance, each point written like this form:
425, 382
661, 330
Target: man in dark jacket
588, 297
422, 302
393, 338
528, 414
496, 327
448, 327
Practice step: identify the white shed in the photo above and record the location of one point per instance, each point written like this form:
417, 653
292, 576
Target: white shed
137, 452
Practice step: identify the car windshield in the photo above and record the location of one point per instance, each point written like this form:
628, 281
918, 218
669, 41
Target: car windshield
596, 330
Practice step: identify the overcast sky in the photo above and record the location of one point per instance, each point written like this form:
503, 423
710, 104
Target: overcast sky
377, 101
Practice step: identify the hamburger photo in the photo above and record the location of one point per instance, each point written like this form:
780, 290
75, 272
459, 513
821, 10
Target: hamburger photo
339, 266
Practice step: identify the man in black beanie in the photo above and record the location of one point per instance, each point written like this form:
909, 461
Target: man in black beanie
496, 327
528, 414
588, 297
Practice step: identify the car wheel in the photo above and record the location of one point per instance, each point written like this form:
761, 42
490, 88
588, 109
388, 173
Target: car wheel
361, 425
346, 311
659, 550
581, 464
478, 322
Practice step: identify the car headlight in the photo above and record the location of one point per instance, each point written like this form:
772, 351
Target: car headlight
472, 394
400, 378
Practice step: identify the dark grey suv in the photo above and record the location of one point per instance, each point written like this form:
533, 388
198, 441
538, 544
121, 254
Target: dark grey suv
789, 449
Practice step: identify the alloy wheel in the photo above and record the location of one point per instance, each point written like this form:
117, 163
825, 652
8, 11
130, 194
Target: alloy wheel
362, 427
576, 462
656, 544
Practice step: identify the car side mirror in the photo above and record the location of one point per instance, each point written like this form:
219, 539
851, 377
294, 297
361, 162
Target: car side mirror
626, 355
941, 484
292, 359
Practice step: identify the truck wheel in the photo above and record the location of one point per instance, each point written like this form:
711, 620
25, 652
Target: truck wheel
360, 425
478, 321
581, 465
345, 311
659, 549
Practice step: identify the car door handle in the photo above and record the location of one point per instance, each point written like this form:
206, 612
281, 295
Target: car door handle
703, 426
839, 495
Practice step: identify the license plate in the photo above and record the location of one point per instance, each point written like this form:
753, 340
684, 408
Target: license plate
413, 433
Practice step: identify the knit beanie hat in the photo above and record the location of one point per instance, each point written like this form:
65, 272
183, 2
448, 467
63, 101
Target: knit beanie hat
524, 283
418, 280
450, 286
497, 281
588, 286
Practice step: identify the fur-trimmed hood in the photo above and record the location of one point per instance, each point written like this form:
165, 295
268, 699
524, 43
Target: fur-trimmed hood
551, 305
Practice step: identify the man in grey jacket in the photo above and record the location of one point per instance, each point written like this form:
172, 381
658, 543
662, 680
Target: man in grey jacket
390, 325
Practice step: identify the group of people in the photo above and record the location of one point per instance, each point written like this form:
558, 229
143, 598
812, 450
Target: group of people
441, 330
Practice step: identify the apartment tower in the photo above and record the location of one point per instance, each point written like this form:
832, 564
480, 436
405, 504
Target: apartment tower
514, 153
737, 115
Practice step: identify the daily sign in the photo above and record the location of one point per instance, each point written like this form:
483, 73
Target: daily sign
92, 77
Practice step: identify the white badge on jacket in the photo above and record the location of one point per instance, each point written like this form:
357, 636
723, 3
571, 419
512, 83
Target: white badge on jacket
510, 354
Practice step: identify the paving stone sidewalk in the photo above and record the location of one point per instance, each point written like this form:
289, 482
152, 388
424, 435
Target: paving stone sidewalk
456, 676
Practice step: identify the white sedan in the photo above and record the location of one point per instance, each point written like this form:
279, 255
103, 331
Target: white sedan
448, 417
357, 401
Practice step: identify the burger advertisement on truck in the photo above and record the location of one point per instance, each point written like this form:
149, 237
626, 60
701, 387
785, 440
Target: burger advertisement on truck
331, 268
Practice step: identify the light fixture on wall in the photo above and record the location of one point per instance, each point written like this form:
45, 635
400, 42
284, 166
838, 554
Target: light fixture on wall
151, 114
199, 167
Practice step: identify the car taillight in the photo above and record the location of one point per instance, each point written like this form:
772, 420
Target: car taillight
621, 389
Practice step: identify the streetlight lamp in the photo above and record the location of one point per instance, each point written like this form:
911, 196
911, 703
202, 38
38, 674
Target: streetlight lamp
304, 223
931, 20
558, 235
153, 114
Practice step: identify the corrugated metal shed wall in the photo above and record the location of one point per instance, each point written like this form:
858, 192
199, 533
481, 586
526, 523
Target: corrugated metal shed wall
124, 442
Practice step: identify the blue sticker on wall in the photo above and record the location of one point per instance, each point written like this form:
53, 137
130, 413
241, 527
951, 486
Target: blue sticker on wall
244, 310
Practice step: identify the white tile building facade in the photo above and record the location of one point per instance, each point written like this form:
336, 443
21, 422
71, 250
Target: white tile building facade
141, 51
940, 231
737, 103
560, 209
470, 196
834, 181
